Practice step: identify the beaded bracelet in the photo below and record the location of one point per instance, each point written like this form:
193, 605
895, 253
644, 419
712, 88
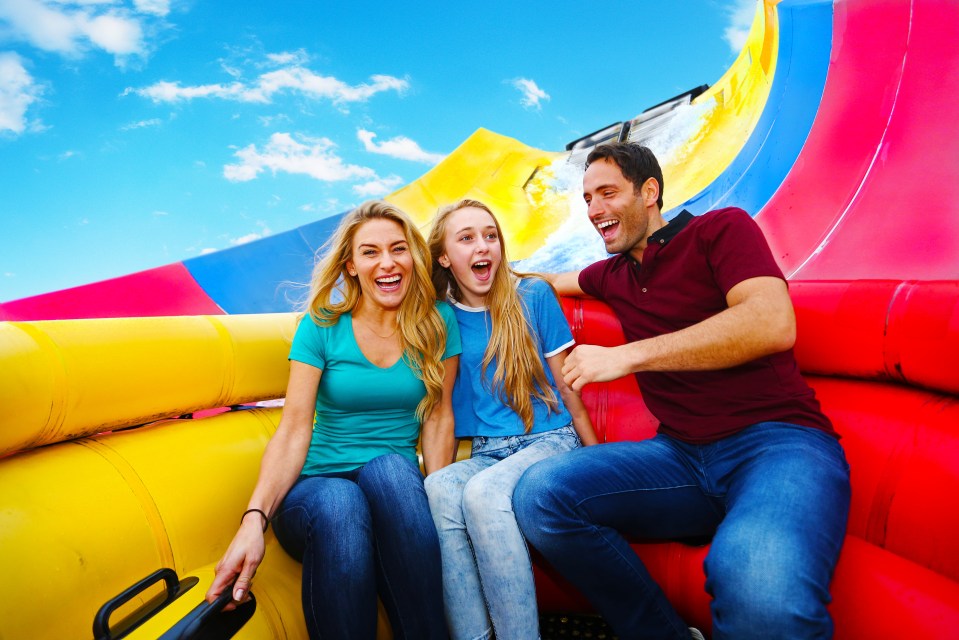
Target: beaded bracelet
266, 518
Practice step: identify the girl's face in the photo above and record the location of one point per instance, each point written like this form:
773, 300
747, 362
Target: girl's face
472, 253
382, 263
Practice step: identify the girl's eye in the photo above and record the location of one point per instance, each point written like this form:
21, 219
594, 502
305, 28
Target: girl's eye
368, 252
399, 249
491, 236
466, 238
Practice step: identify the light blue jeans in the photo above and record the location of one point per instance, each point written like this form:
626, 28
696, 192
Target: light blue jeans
486, 565
774, 497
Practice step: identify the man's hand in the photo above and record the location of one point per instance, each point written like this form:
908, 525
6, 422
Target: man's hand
589, 363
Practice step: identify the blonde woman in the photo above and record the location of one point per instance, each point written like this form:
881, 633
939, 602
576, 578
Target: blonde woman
371, 371
511, 400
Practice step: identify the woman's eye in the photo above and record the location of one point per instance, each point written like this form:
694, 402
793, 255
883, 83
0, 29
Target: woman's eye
466, 238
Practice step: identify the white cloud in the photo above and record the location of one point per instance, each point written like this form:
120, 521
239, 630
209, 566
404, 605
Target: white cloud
17, 92
250, 237
399, 147
72, 28
113, 33
532, 94
298, 57
295, 78
207, 251
161, 213
172, 91
313, 157
378, 187
154, 7
741, 14
153, 122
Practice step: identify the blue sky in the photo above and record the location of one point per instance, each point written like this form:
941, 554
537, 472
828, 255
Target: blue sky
137, 133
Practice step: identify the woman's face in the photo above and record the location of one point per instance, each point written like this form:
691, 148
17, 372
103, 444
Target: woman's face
472, 252
382, 262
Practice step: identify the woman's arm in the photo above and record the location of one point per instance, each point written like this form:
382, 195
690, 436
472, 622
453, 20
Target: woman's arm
574, 403
281, 465
437, 439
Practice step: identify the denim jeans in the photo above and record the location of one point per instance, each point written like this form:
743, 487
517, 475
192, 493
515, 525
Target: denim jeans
486, 564
359, 534
774, 497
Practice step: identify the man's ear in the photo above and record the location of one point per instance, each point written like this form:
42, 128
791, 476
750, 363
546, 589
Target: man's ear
650, 191
444, 261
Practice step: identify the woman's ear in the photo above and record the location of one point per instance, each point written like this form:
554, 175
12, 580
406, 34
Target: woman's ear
444, 261
350, 269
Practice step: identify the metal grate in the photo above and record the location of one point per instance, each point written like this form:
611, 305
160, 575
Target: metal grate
554, 626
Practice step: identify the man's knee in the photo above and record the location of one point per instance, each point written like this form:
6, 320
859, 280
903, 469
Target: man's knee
765, 589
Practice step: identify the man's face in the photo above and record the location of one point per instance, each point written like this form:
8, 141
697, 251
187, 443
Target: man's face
615, 208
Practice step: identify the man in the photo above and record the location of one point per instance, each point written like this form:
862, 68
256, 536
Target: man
743, 454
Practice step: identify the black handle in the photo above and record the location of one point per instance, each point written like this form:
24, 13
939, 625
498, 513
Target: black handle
208, 621
174, 589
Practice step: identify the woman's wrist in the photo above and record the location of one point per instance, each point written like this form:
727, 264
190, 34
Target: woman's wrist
262, 513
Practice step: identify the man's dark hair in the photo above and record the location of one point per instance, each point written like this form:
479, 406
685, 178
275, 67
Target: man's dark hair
637, 163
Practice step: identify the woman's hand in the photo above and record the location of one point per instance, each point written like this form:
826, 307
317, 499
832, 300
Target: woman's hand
240, 562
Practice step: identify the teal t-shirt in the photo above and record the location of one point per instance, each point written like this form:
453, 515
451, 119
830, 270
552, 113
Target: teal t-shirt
362, 410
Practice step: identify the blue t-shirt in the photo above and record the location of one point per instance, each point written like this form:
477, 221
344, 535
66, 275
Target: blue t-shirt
362, 410
477, 408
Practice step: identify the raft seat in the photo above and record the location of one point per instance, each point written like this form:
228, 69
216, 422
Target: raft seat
881, 356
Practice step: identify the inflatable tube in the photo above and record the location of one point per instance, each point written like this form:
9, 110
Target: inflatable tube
68, 379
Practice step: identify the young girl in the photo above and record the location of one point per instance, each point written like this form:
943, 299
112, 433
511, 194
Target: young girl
510, 398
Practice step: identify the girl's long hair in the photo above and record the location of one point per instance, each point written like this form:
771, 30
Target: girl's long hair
334, 292
519, 378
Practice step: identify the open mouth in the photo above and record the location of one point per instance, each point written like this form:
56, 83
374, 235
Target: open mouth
482, 269
389, 283
607, 228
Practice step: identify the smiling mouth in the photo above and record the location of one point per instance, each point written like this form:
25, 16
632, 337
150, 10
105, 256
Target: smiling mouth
389, 283
482, 269
607, 228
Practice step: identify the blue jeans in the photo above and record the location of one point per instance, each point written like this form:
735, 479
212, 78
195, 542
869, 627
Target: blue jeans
359, 534
774, 497
486, 564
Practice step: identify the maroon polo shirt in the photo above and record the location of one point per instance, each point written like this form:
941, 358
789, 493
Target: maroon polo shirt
688, 268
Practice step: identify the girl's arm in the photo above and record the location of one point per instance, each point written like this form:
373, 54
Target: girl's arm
281, 465
574, 403
437, 439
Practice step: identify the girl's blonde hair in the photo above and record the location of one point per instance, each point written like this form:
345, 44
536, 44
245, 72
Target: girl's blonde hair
333, 292
519, 377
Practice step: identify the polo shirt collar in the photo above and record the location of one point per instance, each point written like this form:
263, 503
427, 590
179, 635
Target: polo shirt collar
667, 233
672, 228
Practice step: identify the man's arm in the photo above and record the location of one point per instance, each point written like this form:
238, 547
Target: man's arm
759, 321
566, 284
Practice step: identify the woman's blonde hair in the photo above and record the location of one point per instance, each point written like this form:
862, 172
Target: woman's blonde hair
333, 292
519, 377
